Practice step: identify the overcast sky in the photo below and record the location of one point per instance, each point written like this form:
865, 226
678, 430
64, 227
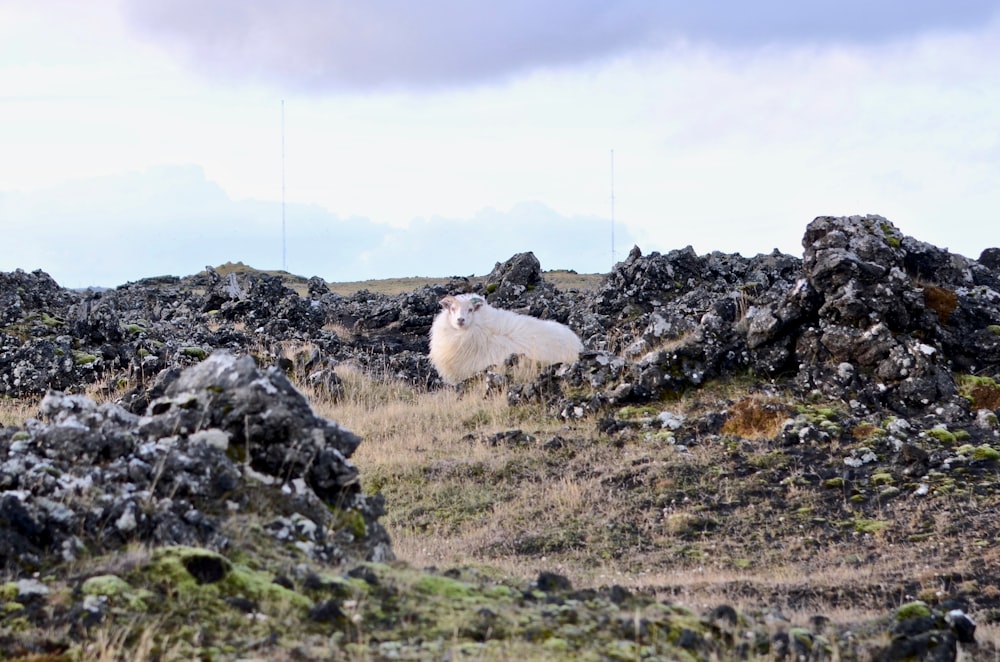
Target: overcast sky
435, 138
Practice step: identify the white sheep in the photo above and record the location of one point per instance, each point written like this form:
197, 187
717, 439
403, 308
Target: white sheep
469, 335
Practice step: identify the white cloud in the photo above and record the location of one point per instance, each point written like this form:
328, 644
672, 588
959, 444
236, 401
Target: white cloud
333, 45
723, 141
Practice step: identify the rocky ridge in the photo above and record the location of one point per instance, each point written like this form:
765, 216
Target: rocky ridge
204, 443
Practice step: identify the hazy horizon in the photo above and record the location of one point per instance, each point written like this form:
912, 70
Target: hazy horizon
154, 137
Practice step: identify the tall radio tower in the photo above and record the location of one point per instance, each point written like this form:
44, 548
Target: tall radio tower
283, 265
613, 209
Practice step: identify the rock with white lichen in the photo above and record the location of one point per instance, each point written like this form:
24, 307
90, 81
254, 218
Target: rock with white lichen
225, 442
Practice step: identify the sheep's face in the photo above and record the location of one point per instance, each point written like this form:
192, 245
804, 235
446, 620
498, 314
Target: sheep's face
461, 310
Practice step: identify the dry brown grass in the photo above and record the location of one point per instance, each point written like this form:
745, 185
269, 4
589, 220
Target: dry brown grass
941, 300
451, 492
564, 280
636, 511
756, 417
15, 411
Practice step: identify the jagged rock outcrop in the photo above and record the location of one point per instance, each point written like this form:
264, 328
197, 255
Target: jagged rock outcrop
903, 315
867, 314
223, 438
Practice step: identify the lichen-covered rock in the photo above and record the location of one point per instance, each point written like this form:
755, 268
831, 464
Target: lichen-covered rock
221, 438
510, 279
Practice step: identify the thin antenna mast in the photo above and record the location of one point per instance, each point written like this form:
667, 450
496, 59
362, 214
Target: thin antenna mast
613, 209
283, 265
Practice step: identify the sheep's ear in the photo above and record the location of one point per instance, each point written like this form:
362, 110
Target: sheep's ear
477, 303
447, 301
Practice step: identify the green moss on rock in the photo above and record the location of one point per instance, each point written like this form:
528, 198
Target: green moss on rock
882, 478
106, 585
83, 358
915, 609
942, 435
119, 592
870, 525
985, 452
8, 591
208, 575
194, 352
351, 520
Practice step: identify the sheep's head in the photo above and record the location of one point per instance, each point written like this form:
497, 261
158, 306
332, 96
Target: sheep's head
461, 309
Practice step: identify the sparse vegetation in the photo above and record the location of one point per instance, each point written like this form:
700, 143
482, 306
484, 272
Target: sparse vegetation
982, 392
756, 417
563, 279
941, 300
492, 508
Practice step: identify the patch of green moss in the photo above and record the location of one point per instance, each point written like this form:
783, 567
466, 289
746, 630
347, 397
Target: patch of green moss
816, 414
942, 435
637, 412
890, 235
870, 525
51, 320
194, 352
261, 587
170, 566
889, 492
834, 483
804, 637
9, 608
353, 521
83, 358
118, 591
915, 609
445, 587
882, 478
499, 592
8, 591
994, 329
986, 452
106, 585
